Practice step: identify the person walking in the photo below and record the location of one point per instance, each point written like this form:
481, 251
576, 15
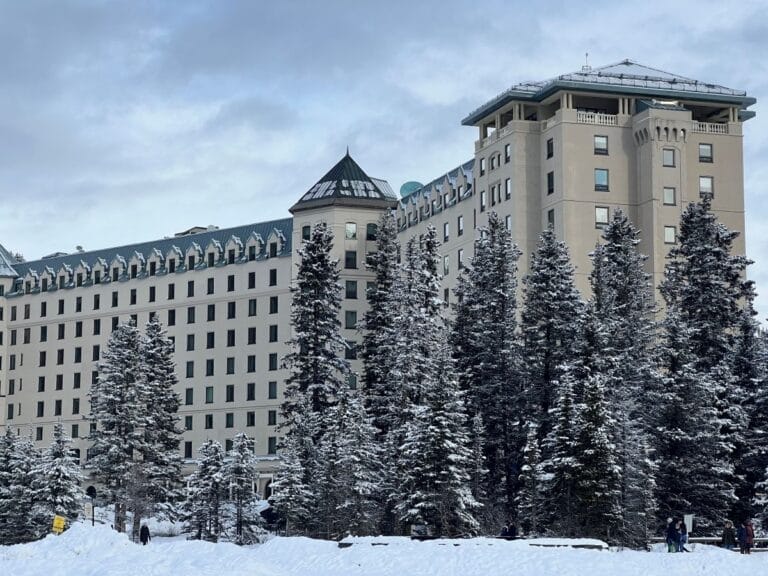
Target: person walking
728, 539
683, 536
749, 537
741, 535
672, 535
144, 535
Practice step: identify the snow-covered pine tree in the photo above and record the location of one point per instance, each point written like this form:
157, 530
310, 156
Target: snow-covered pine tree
704, 287
549, 327
622, 317
436, 461
163, 434
293, 498
205, 492
7, 441
379, 326
359, 467
56, 483
529, 497
316, 360
750, 370
24, 460
560, 466
597, 485
488, 361
243, 521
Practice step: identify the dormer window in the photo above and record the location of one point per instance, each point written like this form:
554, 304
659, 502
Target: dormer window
152, 268
211, 259
272, 249
134, 270
115, 274
191, 263
172, 265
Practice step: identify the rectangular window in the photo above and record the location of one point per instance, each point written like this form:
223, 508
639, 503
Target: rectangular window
172, 265
705, 153
75, 406
550, 182
190, 369
152, 268
250, 419
350, 319
507, 153
59, 381
460, 226
187, 449
483, 201
231, 310
460, 259
230, 365
230, 338
41, 383
231, 283
446, 265
446, 231
273, 304
350, 231
251, 280
251, 335
250, 391
190, 342
601, 179
132, 301
190, 289
189, 396
251, 363
273, 332
551, 218
350, 351
601, 145
40, 409
670, 234
706, 186
191, 263
96, 353
272, 418
211, 312
57, 407
187, 422
229, 420
272, 390
273, 276
272, 359
77, 380
350, 289
507, 189
601, 216
251, 253
230, 393
79, 304
75, 430
670, 196
550, 148
209, 421
171, 291
371, 232
152, 294
114, 300
306, 232
350, 259
668, 157
210, 340
78, 355
508, 222
272, 249
171, 317
191, 315
482, 166
209, 394
272, 445
209, 367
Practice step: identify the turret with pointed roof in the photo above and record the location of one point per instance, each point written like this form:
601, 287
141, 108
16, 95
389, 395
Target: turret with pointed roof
346, 184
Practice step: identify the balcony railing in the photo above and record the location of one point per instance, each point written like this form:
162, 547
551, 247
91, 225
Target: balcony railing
596, 118
710, 128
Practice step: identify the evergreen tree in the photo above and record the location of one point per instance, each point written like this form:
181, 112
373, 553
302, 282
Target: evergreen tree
202, 508
7, 443
240, 476
163, 459
550, 326
597, 476
291, 495
55, 487
487, 358
437, 461
118, 408
379, 351
24, 460
316, 363
529, 498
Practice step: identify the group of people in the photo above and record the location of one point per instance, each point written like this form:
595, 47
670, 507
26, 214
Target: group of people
744, 536
677, 535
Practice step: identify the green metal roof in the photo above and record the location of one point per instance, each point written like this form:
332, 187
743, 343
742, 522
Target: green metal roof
625, 77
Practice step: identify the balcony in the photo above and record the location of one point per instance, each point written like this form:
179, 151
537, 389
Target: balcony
710, 128
597, 118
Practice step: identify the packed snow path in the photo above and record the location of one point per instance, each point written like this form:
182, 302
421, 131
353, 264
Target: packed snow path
99, 551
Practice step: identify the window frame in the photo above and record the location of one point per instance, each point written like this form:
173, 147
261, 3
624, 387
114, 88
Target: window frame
602, 187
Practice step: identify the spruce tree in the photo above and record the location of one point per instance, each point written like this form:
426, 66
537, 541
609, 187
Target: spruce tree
529, 497
163, 435
379, 326
549, 325
292, 496
21, 522
202, 508
56, 487
7, 443
487, 358
240, 476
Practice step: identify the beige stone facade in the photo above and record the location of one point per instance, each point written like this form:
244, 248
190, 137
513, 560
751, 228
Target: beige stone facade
568, 151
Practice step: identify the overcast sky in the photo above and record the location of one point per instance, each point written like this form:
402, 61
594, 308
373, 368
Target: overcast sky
127, 121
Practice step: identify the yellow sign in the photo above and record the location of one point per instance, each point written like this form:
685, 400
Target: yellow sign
58, 524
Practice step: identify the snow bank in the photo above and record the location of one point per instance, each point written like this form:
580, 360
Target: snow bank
99, 551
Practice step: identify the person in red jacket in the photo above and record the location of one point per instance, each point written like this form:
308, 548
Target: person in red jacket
749, 539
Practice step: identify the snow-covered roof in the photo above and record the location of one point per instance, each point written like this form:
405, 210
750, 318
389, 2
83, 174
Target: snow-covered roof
626, 76
452, 175
7, 264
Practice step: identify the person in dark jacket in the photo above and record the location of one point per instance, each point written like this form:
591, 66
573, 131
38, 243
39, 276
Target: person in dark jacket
749, 536
504, 532
741, 535
728, 539
672, 536
144, 535
682, 530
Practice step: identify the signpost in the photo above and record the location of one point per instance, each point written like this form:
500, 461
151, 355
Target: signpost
58, 524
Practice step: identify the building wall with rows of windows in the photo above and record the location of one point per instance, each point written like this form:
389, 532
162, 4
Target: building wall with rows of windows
564, 153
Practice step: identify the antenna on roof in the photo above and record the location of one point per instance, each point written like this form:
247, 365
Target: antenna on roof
586, 67
347, 149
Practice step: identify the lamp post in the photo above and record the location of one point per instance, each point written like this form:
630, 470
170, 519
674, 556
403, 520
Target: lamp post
91, 493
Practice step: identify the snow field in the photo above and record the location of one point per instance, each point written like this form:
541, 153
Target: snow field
99, 551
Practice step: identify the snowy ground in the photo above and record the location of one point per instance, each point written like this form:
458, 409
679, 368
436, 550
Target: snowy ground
99, 551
